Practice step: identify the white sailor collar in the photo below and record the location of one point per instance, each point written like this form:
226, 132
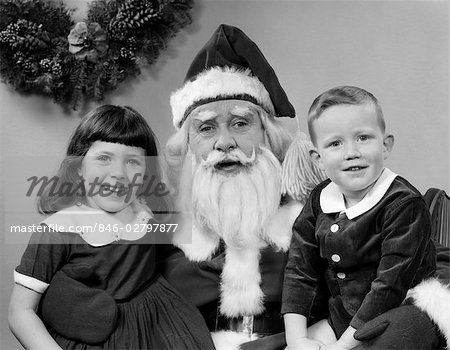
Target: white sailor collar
99, 228
332, 200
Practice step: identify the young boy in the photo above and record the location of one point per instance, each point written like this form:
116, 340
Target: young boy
365, 231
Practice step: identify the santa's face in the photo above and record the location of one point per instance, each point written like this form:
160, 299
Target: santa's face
225, 126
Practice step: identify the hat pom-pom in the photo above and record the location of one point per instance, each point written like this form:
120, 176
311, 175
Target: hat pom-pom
300, 174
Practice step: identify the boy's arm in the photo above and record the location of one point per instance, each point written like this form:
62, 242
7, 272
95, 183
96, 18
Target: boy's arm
296, 333
301, 278
25, 323
406, 239
304, 266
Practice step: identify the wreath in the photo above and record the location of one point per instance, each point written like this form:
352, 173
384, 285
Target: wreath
43, 51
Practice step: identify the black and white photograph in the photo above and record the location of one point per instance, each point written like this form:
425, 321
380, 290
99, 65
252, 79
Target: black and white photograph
225, 174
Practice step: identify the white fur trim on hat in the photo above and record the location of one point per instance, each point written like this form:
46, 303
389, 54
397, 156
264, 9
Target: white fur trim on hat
433, 298
220, 83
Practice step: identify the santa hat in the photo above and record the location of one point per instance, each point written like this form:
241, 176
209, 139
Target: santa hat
230, 66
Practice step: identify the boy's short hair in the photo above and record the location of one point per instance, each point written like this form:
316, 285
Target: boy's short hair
342, 95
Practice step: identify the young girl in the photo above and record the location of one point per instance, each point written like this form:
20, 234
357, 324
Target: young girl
87, 278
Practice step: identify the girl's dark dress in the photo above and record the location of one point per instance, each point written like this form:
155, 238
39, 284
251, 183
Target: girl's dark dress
151, 314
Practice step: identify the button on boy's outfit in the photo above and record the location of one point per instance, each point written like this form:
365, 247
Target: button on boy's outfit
369, 255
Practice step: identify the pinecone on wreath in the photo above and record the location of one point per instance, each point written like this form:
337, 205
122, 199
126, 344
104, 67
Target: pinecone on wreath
25, 36
132, 15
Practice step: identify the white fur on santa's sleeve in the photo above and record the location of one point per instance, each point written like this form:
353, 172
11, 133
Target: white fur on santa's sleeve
433, 298
279, 228
197, 243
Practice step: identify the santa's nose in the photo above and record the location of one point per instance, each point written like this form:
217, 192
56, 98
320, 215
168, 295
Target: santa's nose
225, 141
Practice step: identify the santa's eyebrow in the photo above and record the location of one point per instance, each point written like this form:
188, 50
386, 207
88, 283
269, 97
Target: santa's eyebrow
205, 115
242, 111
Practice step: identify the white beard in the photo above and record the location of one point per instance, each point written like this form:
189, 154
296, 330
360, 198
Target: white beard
236, 208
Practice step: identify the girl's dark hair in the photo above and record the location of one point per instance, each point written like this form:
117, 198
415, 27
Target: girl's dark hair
106, 123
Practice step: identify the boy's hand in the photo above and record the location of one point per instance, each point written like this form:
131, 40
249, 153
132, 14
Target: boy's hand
334, 346
345, 342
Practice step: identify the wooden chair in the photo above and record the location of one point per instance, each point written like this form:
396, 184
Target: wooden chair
438, 204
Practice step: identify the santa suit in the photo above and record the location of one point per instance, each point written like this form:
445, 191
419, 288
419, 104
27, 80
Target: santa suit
200, 283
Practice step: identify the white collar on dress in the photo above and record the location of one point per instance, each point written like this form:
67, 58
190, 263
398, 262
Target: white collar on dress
99, 228
332, 200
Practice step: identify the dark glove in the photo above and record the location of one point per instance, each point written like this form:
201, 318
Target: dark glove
270, 342
78, 312
405, 327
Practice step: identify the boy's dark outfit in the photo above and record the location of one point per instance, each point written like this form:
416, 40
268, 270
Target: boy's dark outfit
369, 255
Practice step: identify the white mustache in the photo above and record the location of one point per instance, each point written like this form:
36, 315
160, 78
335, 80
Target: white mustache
235, 155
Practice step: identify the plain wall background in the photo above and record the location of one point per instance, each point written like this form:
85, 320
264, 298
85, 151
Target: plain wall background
398, 50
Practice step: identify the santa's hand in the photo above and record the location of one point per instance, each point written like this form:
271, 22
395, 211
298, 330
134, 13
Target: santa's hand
373, 328
406, 322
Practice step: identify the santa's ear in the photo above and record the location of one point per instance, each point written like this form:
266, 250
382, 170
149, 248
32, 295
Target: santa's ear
388, 145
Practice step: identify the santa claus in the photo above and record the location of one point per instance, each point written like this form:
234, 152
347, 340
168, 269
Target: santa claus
227, 154
225, 158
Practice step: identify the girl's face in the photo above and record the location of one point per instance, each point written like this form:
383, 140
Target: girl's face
112, 174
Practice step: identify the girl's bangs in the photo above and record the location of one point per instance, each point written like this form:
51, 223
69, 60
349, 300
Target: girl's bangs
124, 131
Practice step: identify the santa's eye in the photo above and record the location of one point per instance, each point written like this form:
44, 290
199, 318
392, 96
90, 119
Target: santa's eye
240, 123
205, 128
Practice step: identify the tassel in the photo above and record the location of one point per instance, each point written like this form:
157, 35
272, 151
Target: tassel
300, 174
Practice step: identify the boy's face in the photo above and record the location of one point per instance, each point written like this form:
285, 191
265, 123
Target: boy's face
351, 148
